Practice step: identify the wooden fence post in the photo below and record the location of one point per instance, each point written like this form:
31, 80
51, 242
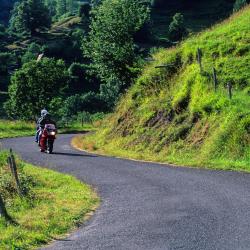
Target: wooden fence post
229, 87
3, 211
199, 58
215, 79
13, 167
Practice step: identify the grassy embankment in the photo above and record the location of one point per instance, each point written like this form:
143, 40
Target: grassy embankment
173, 114
52, 205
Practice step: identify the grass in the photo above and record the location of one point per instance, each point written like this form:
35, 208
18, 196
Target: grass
16, 128
53, 204
173, 114
9, 129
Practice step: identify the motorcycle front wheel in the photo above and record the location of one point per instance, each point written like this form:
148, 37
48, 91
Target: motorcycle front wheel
50, 146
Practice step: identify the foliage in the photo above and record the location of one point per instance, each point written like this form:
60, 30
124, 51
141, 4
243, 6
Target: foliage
173, 114
239, 4
90, 102
177, 29
61, 7
110, 91
51, 5
81, 81
53, 204
110, 44
6, 59
2, 31
84, 12
29, 16
32, 52
34, 86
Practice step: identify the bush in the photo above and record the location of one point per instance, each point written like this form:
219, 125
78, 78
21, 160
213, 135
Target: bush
32, 52
86, 117
89, 102
177, 29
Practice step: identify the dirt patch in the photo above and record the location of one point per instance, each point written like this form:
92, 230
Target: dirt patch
162, 117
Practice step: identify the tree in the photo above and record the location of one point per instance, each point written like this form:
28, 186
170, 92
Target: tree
177, 29
34, 86
239, 4
32, 52
29, 16
110, 44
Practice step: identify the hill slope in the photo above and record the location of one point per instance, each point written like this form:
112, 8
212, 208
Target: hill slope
173, 114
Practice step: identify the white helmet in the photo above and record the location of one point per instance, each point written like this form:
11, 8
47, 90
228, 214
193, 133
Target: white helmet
44, 112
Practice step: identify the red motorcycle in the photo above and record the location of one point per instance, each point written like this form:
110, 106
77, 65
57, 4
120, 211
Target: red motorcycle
47, 138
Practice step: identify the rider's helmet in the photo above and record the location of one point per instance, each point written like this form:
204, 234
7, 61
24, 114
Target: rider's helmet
44, 112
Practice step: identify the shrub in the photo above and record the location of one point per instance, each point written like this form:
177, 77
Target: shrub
177, 29
89, 102
32, 52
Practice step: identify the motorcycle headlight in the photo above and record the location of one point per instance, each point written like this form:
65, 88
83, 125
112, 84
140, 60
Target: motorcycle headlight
53, 133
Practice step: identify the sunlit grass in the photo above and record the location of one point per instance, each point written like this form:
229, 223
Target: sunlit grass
53, 204
16, 128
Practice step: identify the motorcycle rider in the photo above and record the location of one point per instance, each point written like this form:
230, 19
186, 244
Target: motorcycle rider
42, 121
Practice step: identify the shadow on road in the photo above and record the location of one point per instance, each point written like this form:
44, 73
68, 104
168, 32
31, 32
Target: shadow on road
73, 154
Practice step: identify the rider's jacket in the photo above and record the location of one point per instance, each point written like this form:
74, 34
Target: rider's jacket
42, 121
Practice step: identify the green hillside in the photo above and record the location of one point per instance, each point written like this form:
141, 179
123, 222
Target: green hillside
173, 113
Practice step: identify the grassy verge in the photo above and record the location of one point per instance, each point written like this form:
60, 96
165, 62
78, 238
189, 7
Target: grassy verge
94, 143
15, 128
53, 204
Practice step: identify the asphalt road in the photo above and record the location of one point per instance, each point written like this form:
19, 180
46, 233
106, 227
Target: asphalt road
151, 206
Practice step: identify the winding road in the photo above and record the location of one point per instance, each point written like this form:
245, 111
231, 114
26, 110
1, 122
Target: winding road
150, 206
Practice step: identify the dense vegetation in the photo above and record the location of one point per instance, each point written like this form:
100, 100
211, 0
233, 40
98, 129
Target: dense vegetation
176, 113
102, 44
50, 205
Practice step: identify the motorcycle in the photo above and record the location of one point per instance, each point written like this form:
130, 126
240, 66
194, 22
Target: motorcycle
47, 138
